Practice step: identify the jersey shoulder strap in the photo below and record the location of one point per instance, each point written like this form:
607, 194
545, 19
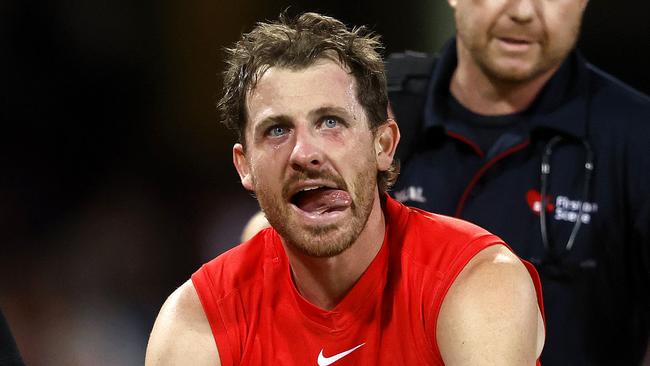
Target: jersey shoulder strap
408, 74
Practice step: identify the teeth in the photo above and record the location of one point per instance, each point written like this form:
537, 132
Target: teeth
310, 188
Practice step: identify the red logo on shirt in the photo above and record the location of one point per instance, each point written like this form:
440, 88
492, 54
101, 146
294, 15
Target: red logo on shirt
534, 200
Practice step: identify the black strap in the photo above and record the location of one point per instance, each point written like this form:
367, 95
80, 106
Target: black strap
408, 75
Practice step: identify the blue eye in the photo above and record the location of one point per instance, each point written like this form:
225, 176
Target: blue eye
330, 122
276, 131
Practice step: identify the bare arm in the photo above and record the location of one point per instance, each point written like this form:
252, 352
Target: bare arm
182, 334
490, 315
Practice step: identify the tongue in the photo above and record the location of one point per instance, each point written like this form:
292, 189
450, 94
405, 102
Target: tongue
323, 200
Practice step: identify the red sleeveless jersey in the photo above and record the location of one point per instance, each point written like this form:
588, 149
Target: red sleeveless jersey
388, 317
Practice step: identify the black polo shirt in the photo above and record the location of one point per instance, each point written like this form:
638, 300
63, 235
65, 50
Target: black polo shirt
9, 355
596, 289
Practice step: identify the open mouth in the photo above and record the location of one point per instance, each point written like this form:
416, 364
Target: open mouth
516, 41
319, 200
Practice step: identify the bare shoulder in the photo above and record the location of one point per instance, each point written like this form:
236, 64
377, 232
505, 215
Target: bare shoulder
490, 314
256, 223
182, 334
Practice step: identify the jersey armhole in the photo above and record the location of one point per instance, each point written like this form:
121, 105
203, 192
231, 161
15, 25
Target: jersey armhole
538, 291
461, 260
447, 279
537, 282
204, 286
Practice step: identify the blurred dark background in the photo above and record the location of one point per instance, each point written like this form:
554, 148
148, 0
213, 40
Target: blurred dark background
116, 180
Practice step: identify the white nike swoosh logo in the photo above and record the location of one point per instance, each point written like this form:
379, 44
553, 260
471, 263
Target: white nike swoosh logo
326, 361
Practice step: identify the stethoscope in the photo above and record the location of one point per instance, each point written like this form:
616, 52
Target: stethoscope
552, 256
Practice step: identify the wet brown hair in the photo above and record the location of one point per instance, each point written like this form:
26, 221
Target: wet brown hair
297, 43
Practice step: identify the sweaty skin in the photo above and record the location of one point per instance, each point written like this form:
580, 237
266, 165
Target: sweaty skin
303, 135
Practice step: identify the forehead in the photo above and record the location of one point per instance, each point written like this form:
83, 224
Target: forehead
285, 91
323, 65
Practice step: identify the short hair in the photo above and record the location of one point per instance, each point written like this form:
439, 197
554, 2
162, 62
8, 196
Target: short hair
297, 43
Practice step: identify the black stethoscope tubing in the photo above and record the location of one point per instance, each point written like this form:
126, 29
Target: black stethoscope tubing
544, 178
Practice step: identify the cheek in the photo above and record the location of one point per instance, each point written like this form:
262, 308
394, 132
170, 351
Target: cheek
471, 27
563, 22
362, 159
563, 33
263, 172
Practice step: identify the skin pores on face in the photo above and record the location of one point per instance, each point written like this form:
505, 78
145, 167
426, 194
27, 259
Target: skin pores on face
516, 40
310, 156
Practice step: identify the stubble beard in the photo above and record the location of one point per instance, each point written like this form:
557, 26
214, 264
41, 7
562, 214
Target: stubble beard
512, 76
327, 240
549, 58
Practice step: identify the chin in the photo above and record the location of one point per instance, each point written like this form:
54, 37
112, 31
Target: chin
321, 242
518, 73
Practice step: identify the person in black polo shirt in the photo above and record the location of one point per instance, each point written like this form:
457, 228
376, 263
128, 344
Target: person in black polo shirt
9, 355
519, 134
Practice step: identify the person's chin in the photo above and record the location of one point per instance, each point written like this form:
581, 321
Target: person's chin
324, 243
511, 69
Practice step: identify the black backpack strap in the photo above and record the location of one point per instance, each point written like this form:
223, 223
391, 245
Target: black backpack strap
408, 76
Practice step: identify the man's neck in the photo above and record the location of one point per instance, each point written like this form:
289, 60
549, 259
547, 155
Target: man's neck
485, 95
325, 281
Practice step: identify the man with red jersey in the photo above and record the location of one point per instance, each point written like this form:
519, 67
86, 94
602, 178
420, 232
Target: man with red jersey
346, 275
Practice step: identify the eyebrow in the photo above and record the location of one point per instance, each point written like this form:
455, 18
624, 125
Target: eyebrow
330, 110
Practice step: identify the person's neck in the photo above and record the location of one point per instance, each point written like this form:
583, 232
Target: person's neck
325, 281
485, 95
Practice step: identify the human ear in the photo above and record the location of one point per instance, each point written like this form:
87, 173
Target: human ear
242, 166
386, 140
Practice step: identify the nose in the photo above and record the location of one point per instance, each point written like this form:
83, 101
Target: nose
307, 153
522, 11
